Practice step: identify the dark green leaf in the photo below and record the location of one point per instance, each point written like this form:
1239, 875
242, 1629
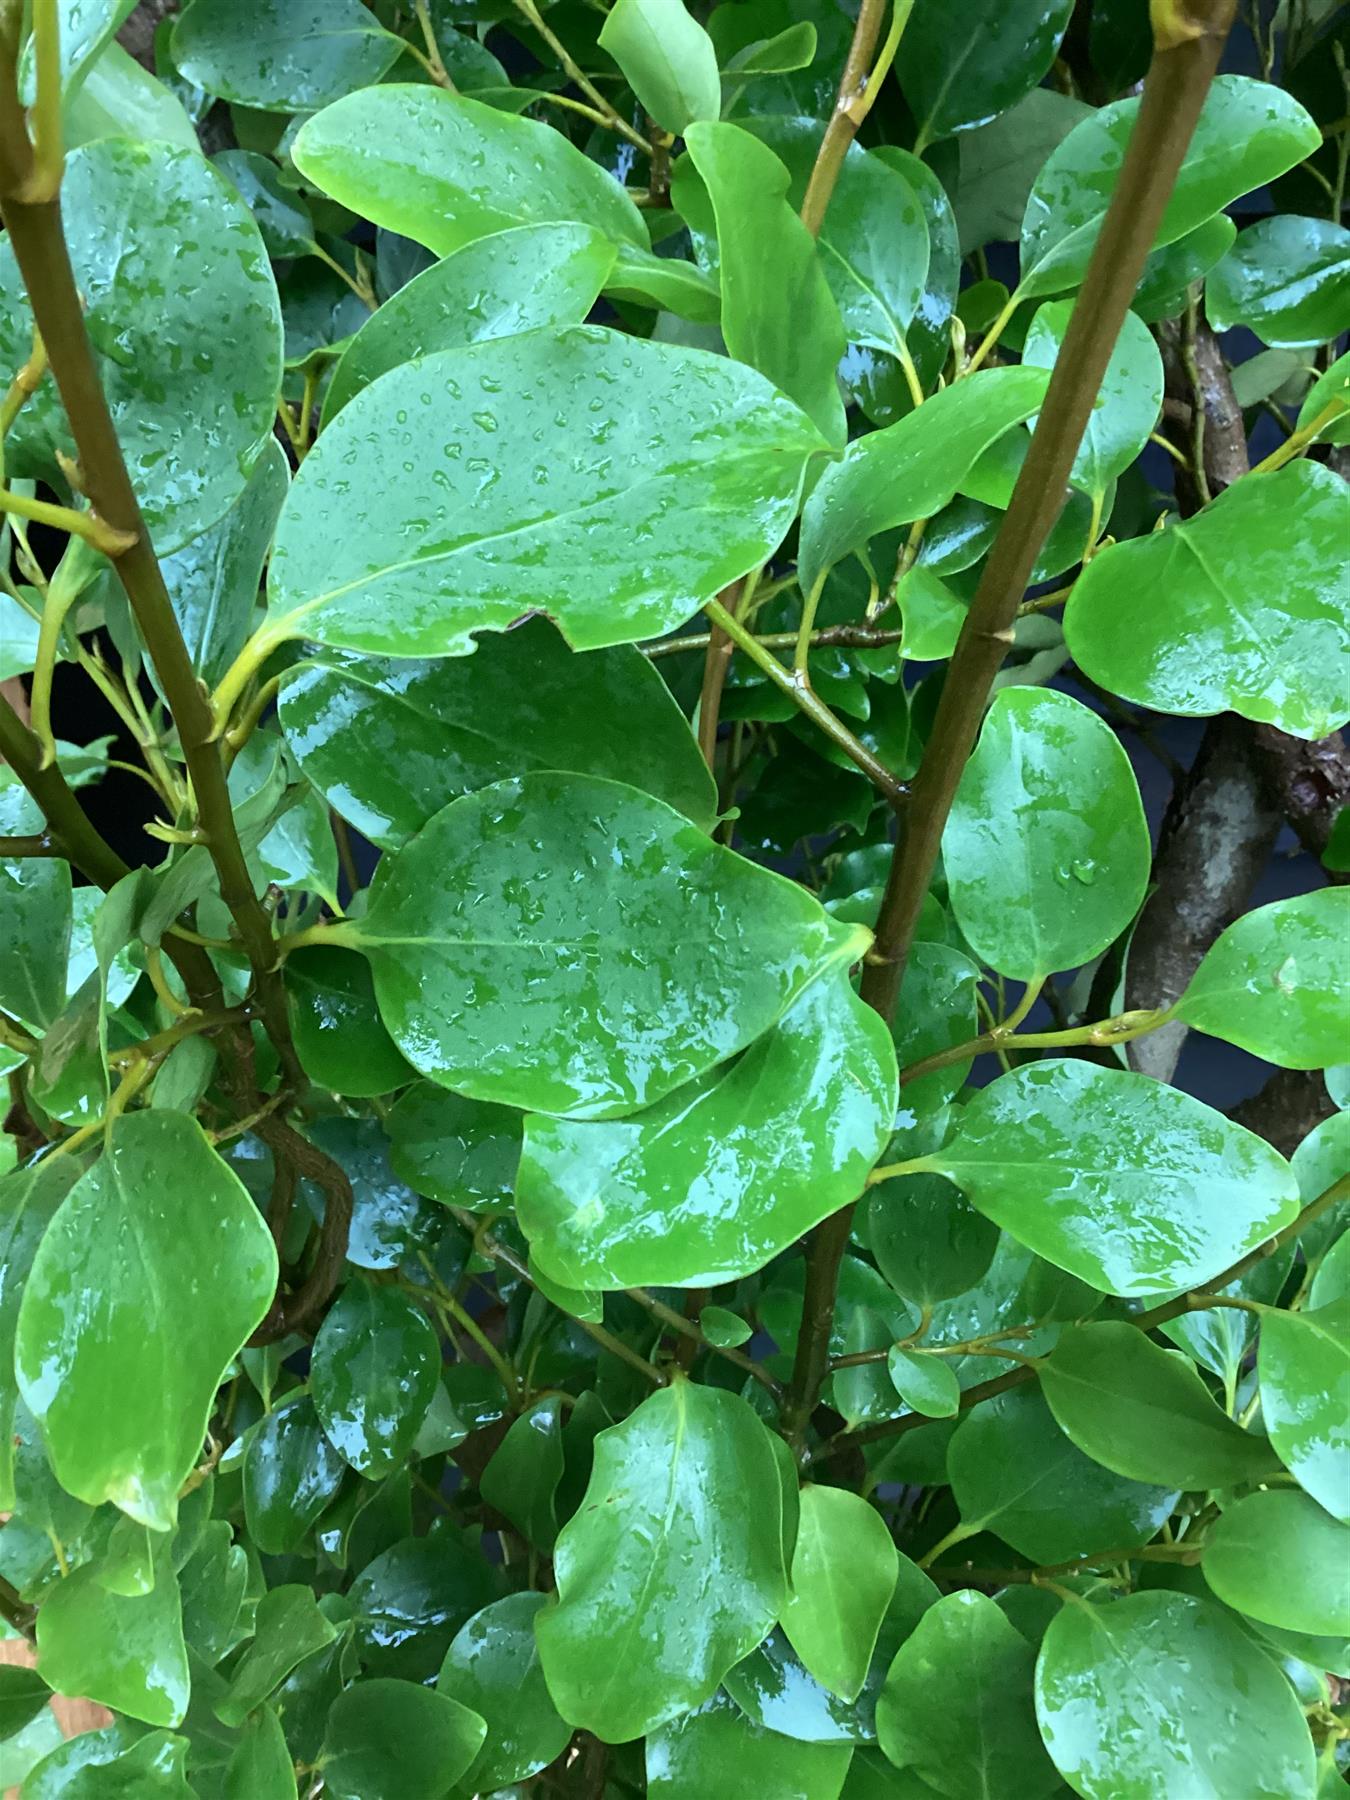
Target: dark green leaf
493, 1669
773, 1690
282, 55
842, 1577
460, 1152
261, 1767
389, 1740
35, 920
409, 1603
928, 1241
668, 59
1278, 1557
23, 1694
522, 1479
717, 1749
291, 1472
958, 76
1286, 278
375, 1367
338, 1035
289, 1628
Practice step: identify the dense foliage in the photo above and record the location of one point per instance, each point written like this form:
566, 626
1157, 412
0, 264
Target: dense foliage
603, 1211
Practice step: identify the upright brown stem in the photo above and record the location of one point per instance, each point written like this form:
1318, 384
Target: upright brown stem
843, 125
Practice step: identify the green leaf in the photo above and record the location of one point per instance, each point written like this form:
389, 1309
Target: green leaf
789, 329
774, 1691
375, 1367
289, 1627
624, 988
1015, 1473
291, 1472
670, 500
29, 1199
282, 55
1144, 1413
158, 1229
1248, 133
1000, 161
843, 1575
954, 79
35, 923
1243, 607
1109, 1676
389, 1221
110, 1765
1286, 278
672, 1569
388, 1740
85, 28
926, 1384
261, 1766
508, 282
1275, 982
126, 1652
445, 170
912, 469
720, 1176
940, 1012
521, 1481
460, 1152
927, 1239
1278, 1557
338, 1035
1128, 402
411, 1601
955, 1709
1046, 848
1332, 386
1304, 1363
493, 1669
1130, 1185
181, 302
1170, 270
667, 58
23, 1695
284, 219
718, 1750
444, 728
724, 1328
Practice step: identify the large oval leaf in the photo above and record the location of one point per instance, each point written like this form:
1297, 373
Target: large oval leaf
161, 1230
1130, 1185
1246, 606
1046, 848
959, 76
1304, 1365
1110, 1678
612, 483
716, 1179
1278, 1557
672, 1569
390, 742
567, 944
444, 170
282, 55
183, 313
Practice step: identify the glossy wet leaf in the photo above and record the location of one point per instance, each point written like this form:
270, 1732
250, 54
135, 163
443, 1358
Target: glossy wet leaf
444, 169
284, 219
774, 1690
389, 1221
1128, 402
727, 1171
926, 1384
842, 1577
1144, 1413
112, 1761
182, 309
29, 1198
666, 1577
409, 1603
1243, 607
912, 469
1304, 1367
955, 78
521, 1481
641, 956
480, 499
261, 1766
288, 1627
291, 1472
1278, 1557
956, 1711
387, 1740
1330, 392
717, 1747
35, 927
668, 59
282, 55
1130, 1185
509, 281
493, 1669
389, 743
1275, 982
1248, 133
374, 1369
460, 1152
722, 1327
789, 329
158, 1228
1015, 1473
1286, 278
338, 1035
126, 1652
928, 1240
1046, 848
1110, 1676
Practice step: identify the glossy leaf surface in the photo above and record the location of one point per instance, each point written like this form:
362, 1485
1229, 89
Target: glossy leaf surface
338, 1035
695, 1755
842, 1577
125, 1651
493, 1668
954, 80
374, 1370
1286, 278
388, 1739
1304, 1366
1278, 1557
282, 55
291, 1472
668, 58
1127, 405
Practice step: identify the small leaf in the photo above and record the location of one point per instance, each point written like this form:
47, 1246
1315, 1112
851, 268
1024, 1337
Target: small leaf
375, 1367
493, 1669
387, 1740
1127, 404
261, 1766
291, 1472
1275, 982
927, 1384
23, 1695
843, 1575
928, 1240
1195, 619
282, 55
672, 1569
1143, 1412
126, 1652
775, 1691
29, 1199
1287, 279
1130, 1185
521, 1481
564, 1023
667, 58
718, 1750
159, 1228
289, 1628
1304, 1364
954, 80
1046, 848
35, 921
723, 1174
724, 1328
1165, 1657
1277, 1557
